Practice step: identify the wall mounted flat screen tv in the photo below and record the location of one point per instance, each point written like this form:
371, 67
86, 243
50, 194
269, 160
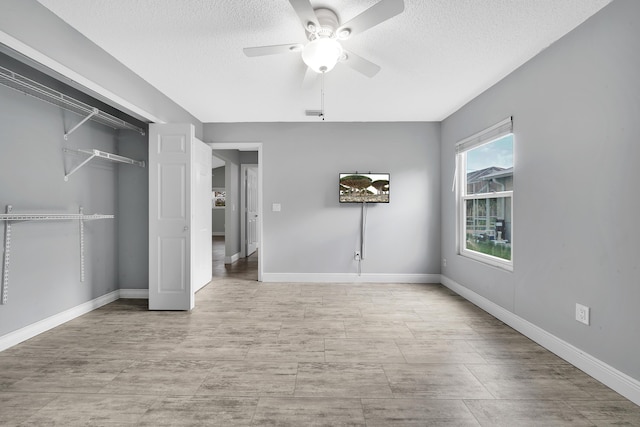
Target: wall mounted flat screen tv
364, 188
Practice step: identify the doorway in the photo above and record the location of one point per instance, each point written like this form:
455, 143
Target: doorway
218, 194
235, 249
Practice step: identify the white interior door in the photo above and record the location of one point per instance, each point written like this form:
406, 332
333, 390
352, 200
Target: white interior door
170, 151
251, 179
201, 249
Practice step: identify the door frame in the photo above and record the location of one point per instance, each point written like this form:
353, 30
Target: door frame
250, 146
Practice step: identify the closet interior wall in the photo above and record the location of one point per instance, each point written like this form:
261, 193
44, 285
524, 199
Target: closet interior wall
45, 261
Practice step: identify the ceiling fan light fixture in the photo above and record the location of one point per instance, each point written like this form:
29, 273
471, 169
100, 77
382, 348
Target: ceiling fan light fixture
322, 54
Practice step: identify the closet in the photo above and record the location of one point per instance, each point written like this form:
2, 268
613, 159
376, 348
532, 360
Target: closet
73, 194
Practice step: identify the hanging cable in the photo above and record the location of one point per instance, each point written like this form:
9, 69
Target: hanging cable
364, 231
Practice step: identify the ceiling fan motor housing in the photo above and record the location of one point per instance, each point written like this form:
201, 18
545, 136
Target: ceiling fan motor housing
328, 21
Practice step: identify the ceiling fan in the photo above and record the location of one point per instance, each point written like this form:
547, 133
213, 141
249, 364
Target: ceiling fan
325, 31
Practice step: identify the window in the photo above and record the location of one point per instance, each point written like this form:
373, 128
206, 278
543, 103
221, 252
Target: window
484, 165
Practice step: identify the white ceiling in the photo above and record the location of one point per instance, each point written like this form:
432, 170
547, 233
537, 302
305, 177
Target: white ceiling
435, 56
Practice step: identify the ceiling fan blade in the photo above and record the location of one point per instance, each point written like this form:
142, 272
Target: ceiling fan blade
360, 64
272, 50
310, 78
305, 12
371, 17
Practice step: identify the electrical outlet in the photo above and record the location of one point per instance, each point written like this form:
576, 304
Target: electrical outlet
356, 255
444, 262
582, 313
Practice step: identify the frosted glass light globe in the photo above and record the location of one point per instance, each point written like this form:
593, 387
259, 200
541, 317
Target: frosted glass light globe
322, 54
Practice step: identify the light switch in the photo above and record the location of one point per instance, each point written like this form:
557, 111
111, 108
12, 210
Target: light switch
276, 207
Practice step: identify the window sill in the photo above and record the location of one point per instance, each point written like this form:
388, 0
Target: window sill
488, 260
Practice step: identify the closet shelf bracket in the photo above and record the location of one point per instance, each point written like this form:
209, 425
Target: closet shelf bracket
100, 155
93, 113
9, 217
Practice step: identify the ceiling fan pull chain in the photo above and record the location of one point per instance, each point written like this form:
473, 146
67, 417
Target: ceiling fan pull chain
322, 96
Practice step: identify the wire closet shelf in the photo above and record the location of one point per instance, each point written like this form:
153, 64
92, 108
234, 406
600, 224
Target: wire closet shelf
30, 87
10, 217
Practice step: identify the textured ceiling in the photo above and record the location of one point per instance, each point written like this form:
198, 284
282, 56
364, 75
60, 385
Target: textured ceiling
435, 56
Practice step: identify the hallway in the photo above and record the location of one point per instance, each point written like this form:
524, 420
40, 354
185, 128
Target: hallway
245, 268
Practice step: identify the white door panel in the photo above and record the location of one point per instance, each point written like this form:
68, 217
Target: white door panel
252, 210
170, 147
171, 277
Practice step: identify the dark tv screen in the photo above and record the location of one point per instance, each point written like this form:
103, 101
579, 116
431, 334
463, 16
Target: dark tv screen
364, 188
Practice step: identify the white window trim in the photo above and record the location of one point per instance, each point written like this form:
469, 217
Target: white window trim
499, 130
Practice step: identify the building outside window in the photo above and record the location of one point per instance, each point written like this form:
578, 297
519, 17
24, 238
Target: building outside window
485, 168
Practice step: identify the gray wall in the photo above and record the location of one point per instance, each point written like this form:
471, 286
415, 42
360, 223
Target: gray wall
249, 157
576, 122
314, 233
217, 215
45, 256
133, 213
217, 177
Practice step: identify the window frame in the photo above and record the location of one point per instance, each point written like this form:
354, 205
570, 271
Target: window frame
462, 148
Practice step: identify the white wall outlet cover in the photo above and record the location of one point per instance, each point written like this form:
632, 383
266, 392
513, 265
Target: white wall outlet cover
582, 313
276, 207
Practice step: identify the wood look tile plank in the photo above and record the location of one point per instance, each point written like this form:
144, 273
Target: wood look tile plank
283, 350
439, 351
249, 378
516, 413
362, 350
435, 381
160, 377
346, 380
17, 407
309, 412
527, 382
417, 412
92, 409
200, 410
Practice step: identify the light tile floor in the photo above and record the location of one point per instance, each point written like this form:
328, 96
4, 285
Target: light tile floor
298, 355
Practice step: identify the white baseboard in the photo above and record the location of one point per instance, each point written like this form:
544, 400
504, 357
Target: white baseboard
622, 383
349, 278
231, 259
134, 293
30, 331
